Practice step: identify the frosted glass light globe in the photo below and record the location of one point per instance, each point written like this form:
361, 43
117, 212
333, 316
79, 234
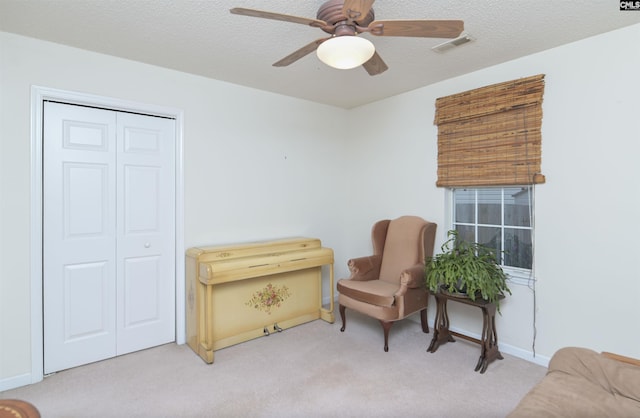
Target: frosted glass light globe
345, 52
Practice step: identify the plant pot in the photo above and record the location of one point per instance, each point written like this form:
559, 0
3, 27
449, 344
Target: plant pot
459, 291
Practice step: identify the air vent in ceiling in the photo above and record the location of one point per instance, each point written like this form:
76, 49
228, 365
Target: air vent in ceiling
460, 40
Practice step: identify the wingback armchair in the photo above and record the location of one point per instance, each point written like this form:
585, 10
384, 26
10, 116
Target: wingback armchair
389, 285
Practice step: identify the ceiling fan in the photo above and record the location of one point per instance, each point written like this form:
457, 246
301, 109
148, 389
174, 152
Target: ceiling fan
344, 20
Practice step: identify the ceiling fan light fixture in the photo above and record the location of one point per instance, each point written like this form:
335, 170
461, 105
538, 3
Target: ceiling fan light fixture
345, 52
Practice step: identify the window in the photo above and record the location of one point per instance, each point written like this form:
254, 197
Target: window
499, 218
490, 155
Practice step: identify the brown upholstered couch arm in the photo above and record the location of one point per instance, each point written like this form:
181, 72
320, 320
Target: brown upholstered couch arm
365, 268
583, 383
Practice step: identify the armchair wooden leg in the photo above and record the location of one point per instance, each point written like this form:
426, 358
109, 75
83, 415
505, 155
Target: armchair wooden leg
423, 321
342, 309
386, 326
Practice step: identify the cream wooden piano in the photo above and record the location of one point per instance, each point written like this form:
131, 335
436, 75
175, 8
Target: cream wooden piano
239, 292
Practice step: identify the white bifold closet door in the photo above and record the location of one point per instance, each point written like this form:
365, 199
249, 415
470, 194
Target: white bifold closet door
109, 234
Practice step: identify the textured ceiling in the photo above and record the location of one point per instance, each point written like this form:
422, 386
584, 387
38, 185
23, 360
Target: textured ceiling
202, 37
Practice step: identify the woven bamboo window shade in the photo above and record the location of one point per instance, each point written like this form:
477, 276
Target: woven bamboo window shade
491, 136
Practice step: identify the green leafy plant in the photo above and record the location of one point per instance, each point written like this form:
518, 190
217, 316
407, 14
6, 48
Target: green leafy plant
466, 268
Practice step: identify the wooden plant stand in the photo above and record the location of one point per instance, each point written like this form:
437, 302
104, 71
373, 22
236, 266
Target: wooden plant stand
489, 341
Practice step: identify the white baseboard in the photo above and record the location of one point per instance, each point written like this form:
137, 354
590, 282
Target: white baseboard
525, 355
26, 379
510, 349
327, 300
13, 382
504, 348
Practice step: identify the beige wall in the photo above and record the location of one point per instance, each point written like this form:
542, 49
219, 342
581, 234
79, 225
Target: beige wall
259, 166
586, 215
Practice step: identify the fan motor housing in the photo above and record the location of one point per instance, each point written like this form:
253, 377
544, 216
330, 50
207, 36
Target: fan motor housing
331, 12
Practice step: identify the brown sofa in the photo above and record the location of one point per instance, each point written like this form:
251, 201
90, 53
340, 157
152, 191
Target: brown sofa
583, 383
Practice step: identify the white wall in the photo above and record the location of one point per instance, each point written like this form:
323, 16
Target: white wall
259, 166
256, 165
587, 229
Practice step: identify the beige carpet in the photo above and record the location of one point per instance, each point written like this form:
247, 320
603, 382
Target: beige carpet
312, 370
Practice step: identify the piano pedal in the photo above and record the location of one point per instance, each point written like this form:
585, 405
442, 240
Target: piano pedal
266, 332
276, 327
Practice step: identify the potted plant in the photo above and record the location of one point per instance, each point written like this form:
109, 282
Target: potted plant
466, 269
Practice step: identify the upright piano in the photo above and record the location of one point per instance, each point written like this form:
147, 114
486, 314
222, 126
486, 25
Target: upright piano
243, 291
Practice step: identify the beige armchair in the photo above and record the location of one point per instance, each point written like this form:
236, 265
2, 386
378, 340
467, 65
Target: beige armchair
389, 285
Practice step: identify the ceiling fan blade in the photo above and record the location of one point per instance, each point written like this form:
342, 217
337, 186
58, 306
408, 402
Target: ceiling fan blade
302, 52
356, 9
375, 65
316, 23
417, 28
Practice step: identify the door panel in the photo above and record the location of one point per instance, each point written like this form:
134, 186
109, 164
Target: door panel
146, 233
79, 257
142, 196
86, 199
139, 279
109, 234
86, 308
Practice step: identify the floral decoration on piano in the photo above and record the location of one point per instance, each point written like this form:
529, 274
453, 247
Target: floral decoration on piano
271, 297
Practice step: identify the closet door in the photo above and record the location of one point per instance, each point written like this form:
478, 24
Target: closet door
108, 260
79, 260
145, 232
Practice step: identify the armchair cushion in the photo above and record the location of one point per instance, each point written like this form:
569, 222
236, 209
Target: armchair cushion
374, 292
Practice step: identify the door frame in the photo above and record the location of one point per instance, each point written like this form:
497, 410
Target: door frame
38, 96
